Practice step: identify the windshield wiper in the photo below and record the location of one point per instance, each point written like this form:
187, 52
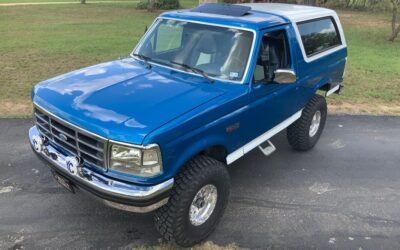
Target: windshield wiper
145, 59
194, 70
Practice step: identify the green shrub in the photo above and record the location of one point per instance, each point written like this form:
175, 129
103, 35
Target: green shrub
167, 4
142, 5
160, 4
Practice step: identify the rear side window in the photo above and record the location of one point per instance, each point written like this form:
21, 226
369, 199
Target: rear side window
319, 35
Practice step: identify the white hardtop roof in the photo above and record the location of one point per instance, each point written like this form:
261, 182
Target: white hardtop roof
293, 12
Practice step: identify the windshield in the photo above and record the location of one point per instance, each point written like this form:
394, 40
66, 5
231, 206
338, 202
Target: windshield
217, 52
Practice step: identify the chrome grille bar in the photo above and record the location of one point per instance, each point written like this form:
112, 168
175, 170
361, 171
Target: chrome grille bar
89, 147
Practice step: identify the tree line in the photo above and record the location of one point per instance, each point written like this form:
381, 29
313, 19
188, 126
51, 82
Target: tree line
393, 5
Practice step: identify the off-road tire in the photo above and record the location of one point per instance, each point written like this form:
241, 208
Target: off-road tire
172, 220
298, 133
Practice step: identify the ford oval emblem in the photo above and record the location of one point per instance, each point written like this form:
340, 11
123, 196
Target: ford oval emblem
63, 137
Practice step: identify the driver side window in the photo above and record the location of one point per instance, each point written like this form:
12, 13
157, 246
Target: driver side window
273, 54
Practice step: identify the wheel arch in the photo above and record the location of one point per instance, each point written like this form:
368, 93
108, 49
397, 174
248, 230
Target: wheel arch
324, 86
218, 152
214, 148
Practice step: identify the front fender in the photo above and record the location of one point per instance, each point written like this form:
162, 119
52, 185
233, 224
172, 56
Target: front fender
179, 152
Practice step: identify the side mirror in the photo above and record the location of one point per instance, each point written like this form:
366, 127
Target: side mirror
285, 76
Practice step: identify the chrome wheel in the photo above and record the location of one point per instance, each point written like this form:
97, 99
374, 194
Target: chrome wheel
315, 122
203, 205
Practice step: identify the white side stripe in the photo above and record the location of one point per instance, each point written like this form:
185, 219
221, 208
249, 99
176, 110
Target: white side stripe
333, 90
262, 138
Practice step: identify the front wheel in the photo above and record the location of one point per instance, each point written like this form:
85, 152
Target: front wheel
197, 202
305, 132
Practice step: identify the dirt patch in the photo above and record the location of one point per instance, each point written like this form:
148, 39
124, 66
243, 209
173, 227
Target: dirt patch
17, 108
365, 109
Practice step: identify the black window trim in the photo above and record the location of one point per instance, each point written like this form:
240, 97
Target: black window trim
326, 49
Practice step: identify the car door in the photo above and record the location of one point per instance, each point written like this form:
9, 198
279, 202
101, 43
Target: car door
271, 102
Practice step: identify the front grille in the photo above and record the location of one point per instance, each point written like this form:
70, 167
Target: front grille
91, 148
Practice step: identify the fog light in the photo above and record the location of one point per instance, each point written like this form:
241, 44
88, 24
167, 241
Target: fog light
37, 142
72, 164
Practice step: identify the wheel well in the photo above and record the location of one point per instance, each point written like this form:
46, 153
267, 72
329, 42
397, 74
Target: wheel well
325, 87
217, 152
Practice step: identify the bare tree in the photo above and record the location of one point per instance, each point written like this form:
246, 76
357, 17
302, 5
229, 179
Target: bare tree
151, 5
310, 2
395, 26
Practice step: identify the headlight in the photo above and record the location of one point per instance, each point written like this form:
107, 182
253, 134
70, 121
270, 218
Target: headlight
136, 161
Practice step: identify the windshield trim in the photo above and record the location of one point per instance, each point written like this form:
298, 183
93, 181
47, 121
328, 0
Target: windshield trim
249, 60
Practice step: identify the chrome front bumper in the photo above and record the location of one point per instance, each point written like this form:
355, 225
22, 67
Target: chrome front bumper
117, 194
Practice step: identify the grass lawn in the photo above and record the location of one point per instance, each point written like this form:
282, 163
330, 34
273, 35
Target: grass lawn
40, 1
373, 70
38, 42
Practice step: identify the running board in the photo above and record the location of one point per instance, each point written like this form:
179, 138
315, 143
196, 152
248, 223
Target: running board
268, 150
262, 138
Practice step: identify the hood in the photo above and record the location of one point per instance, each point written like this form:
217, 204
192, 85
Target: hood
122, 100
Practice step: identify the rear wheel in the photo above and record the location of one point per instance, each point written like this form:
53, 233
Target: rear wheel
197, 202
305, 132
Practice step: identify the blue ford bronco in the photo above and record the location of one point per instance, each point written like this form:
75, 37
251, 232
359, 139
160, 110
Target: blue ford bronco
203, 87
